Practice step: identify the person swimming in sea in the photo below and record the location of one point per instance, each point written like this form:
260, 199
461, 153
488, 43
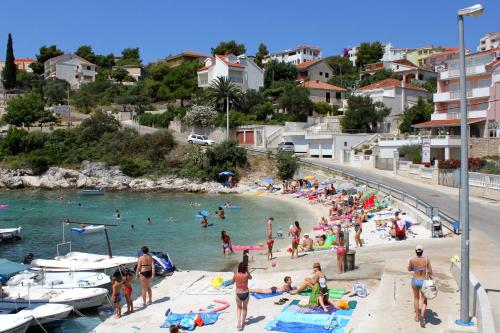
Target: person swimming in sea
79, 205
148, 221
204, 222
220, 213
132, 227
228, 204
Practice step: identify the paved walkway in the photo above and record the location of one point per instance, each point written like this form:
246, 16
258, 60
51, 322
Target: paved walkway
484, 223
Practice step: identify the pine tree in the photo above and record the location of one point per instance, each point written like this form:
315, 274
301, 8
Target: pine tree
9, 71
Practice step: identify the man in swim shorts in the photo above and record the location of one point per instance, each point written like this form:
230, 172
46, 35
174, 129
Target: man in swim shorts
307, 243
286, 287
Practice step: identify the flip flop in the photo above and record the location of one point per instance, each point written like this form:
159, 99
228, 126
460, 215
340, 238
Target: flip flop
422, 320
281, 301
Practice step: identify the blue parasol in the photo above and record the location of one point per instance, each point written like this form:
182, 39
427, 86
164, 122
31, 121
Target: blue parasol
268, 180
226, 173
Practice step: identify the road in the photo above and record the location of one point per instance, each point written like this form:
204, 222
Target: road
484, 224
148, 130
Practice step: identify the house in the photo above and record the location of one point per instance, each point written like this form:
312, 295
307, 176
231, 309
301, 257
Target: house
483, 93
298, 55
395, 94
418, 55
21, 63
71, 68
437, 59
390, 53
324, 92
490, 41
314, 70
186, 56
135, 71
408, 70
239, 69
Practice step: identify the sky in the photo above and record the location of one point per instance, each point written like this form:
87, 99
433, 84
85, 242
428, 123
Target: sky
163, 27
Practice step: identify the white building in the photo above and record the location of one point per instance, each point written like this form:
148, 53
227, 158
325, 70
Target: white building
239, 69
71, 68
298, 55
391, 53
490, 41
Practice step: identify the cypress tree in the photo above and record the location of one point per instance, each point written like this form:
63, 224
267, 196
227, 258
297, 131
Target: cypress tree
9, 71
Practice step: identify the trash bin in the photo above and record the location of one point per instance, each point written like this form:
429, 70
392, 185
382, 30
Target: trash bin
350, 260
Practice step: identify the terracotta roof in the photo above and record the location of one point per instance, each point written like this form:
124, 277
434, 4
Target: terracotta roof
307, 64
390, 83
446, 123
315, 84
194, 54
439, 54
222, 58
405, 62
24, 60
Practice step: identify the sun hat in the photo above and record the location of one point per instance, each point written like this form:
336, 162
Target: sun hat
306, 235
316, 265
419, 248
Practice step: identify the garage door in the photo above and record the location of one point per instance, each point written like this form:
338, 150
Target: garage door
240, 137
314, 150
249, 138
327, 149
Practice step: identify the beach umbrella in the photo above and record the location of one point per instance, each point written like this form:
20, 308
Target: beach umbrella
328, 181
226, 173
268, 180
345, 186
309, 177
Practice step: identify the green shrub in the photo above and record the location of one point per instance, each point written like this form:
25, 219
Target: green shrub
412, 153
287, 164
226, 156
38, 164
131, 168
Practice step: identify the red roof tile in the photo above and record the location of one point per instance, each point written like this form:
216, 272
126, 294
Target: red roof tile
24, 60
405, 62
194, 54
307, 64
446, 123
222, 58
390, 83
315, 84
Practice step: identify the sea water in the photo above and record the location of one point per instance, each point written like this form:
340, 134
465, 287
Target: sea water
174, 230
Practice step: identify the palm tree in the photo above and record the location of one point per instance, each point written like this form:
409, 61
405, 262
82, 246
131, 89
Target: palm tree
223, 90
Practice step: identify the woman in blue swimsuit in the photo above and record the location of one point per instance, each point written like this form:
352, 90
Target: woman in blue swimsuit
420, 266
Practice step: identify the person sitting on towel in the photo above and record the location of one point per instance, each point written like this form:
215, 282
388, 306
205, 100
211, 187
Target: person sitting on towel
286, 287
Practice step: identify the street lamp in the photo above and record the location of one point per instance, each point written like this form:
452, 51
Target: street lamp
476, 10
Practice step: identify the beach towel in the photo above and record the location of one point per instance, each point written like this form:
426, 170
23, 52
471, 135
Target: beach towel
334, 293
186, 321
262, 296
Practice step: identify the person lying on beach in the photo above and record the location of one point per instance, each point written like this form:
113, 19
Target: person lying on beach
285, 288
321, 240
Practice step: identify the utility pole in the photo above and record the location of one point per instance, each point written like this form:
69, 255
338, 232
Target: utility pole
69, 111
227, 117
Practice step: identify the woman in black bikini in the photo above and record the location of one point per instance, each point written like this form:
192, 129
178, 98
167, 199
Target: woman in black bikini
146, 269
241, 278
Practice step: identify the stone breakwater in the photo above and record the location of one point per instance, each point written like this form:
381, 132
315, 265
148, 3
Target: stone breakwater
98, 175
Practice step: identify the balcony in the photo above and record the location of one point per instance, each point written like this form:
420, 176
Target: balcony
436, 141
455, 95
456, 115
454, 73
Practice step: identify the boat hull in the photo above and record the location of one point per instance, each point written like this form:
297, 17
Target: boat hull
19, 326
48, 315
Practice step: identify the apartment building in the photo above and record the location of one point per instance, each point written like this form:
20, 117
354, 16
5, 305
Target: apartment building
71, 68
298, 55
490, 41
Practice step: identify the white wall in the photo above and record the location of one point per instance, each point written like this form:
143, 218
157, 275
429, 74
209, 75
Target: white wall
346, 141
255, 75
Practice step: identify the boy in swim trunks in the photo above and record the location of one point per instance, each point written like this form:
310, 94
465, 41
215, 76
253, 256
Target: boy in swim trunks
286, 287
116, 296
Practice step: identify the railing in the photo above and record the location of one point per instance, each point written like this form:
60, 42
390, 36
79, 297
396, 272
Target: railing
448, 222
495, 182
477, 179
414, 169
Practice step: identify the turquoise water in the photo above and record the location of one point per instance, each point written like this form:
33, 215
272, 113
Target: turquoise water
174, 230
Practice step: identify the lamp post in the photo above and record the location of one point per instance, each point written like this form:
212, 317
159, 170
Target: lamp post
227, 117
476, 10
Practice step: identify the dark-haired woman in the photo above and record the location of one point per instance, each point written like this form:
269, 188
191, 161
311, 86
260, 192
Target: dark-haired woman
240, 279
146, 271
420, 266
340, 252
295, 234
226, 242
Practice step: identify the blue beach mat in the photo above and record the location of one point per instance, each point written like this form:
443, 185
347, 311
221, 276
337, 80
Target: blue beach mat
262, 296
186, 320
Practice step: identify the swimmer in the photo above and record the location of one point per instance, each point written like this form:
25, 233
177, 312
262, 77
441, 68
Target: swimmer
79, 205
148, 221
69, 201
131, 227
220, 213
204, 222
228, 204
118, 216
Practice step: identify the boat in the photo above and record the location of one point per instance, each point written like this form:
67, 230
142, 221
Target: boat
60, 280
163, 263
96, 191
85, 262
47, 315
10, 233
15, 323
90, 229
19, 297
9, 268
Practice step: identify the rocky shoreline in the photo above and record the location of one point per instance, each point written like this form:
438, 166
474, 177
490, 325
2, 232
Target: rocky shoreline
99, 175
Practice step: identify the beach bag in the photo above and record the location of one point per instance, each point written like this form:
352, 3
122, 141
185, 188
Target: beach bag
360, 289
217, 281
198, 321
429, 288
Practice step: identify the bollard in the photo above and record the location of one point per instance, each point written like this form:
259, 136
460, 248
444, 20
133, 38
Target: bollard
350, 260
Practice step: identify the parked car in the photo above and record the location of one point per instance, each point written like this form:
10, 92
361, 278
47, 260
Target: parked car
200, 140
286, 146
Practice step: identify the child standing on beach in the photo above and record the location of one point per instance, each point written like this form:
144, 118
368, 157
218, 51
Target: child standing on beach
127, 283
116, 296
270, 243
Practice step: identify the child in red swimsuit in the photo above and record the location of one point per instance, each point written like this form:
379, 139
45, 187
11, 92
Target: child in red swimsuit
127, 283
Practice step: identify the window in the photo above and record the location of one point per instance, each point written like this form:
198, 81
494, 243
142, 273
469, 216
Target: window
338, 95
88, 67
327, 75
345, 143
482, 106
327, 97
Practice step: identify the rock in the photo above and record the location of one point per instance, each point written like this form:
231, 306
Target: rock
31, 181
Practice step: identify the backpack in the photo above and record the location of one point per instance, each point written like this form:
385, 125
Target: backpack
360, 289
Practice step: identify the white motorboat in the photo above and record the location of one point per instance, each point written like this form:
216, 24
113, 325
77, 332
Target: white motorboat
15, 323
60, 280
10, 233
19, 297
85, 262
90, 229
48, 315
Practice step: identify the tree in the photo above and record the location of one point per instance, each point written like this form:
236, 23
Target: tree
279, 71
9, 71
418, 113
296, 101
105, 61
45, 53
323, 108
93, 128
86, 52
46, 117
119, 74
340, 65
130, 56
363, 114
250, 99
55, 91
229, 47
368, 53
200, 115
379, 76
222, 89
261, 53
287, 164
24, 110
181, 81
